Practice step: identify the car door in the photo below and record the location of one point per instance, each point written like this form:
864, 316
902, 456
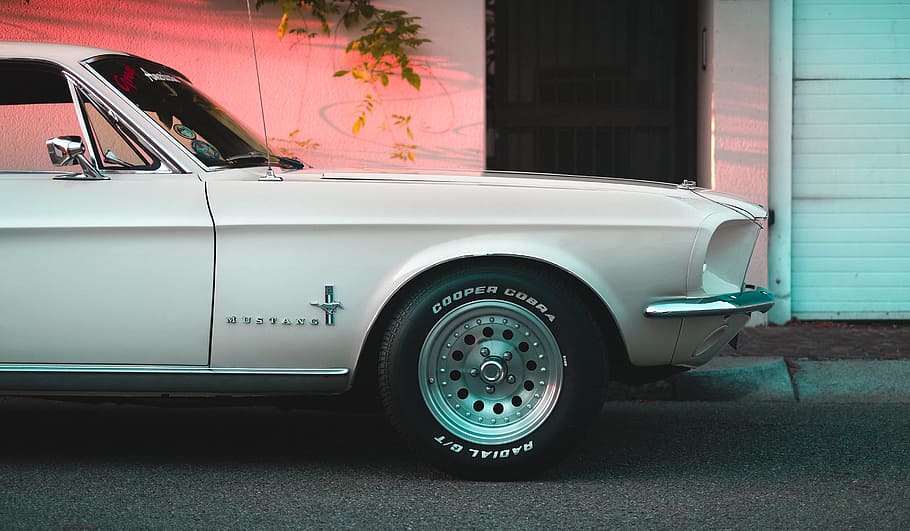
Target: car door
116, 270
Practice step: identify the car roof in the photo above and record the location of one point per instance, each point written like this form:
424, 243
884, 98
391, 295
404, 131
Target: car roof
63, 53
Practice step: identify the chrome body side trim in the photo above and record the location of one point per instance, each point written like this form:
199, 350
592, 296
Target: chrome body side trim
127, 379
165, 369
746, 301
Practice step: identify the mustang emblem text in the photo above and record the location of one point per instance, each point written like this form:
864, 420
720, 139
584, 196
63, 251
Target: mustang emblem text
330, 306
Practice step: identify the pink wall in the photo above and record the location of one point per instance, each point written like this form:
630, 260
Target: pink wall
209, 41
741, 79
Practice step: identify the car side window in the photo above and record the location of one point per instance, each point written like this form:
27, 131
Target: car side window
114, 146
35, 105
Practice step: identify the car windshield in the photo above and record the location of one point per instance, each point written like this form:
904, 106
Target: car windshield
211, 134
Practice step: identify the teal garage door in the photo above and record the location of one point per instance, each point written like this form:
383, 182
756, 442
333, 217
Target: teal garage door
851, 159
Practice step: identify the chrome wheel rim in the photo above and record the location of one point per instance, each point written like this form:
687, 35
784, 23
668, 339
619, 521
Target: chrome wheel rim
490, 372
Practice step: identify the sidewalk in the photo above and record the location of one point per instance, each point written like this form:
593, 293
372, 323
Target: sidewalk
802, 361
826, 340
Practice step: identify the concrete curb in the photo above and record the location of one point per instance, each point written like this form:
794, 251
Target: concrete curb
852, 380
732, 378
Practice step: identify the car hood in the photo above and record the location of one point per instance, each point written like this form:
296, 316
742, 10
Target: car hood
495, 178
522, 180
543, 180
748, 208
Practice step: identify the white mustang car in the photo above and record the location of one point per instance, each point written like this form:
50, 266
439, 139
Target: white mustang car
165, 252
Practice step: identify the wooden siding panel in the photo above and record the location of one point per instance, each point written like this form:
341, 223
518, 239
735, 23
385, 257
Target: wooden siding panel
851, 39
851, 160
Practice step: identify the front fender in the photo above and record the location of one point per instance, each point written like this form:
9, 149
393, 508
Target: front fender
619, 280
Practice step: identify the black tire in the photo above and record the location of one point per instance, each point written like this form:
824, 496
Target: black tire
538, 377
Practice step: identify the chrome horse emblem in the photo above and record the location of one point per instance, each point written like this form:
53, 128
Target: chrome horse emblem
330, 306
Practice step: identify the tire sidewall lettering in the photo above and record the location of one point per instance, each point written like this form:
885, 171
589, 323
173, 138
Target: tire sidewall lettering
452, 300
511, 450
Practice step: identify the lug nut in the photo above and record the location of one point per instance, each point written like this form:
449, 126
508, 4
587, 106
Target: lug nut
484, 352
474, 372
510, 378
490, 389
507, 355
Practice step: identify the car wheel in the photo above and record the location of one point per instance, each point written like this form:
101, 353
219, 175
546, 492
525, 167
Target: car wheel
492, 372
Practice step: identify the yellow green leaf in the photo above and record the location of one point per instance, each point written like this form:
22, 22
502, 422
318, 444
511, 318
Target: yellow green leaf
283, 26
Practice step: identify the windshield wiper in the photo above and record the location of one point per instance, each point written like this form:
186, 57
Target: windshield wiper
253, 157
258, 158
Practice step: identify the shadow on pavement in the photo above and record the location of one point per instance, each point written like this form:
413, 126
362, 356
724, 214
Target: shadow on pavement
629, 441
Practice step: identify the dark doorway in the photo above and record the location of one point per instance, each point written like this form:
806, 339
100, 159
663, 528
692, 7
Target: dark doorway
596, 87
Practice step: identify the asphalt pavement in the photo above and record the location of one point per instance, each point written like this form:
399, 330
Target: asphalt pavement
802, 361
804, 426
643, 465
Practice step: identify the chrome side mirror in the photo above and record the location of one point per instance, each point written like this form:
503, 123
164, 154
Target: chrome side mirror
63, 150
69, 150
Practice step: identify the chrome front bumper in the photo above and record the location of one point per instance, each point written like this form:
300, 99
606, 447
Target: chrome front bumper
746, 301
